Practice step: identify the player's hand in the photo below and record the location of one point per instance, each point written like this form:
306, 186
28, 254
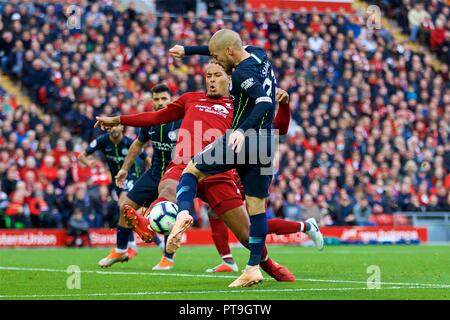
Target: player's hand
282, 96
121, 177
236, 141
106, 123
177, 51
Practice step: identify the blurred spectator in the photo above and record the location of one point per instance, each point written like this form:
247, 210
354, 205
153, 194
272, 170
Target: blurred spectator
416, 17
291, 209
78, 230
310, 209
362, 212
105, 207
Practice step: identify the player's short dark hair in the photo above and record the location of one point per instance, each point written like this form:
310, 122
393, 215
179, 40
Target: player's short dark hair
161, 88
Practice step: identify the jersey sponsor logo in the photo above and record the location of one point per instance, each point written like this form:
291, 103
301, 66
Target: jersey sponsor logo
163, 146
93, 144
114, 159
247, 83
216, 109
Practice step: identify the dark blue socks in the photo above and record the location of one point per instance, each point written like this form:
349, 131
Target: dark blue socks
123, 235
258, 232
167, 255
186, 191
157, 240
131, 237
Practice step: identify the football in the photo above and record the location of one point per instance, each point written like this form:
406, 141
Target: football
163, 216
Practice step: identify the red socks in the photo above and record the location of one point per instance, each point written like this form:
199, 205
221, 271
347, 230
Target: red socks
280, 226
219, 232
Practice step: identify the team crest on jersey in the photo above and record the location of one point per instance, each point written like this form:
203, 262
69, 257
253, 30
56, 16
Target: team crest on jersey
220, 108
172, 135
124, 151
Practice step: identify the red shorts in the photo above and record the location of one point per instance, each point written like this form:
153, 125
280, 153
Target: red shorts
219, 191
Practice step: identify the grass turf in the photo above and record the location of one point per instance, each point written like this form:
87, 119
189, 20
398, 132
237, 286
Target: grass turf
407, 272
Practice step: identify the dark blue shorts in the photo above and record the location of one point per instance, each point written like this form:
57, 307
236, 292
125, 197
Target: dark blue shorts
145, 189
254, 163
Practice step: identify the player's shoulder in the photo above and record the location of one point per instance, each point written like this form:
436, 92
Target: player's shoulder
259, 52
99, 141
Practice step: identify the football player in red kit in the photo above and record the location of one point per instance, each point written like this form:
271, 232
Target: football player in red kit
206, 116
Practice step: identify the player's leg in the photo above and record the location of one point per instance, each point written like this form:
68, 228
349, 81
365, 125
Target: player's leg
144, 192
310, 227
120, 252
167, 192
186, 192
256, 188
219, 233
211, 160
235, 216
132, 246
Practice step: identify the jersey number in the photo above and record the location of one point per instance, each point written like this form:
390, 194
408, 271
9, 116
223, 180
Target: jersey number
267, 85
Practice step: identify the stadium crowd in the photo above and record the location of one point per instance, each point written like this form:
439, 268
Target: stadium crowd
426, 22
370, 118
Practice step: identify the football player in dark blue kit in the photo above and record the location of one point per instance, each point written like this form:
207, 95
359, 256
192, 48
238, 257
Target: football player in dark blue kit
114, 146
163, 139
254, 102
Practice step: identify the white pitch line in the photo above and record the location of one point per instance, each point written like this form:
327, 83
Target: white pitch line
203, 292
221, 276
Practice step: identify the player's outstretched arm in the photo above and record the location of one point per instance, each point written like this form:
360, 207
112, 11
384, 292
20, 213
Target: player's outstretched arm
178, 51
173, 111
85, 160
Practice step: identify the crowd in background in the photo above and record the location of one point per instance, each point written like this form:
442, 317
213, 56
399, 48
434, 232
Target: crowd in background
369, 132
426, 22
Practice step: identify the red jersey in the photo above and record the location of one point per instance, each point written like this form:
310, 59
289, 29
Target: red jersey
204, 120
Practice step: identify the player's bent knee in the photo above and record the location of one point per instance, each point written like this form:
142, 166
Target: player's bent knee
128, 201
255, 205
168, 191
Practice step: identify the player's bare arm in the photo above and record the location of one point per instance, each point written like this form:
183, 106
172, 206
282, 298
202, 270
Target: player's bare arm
133, 153
86, 160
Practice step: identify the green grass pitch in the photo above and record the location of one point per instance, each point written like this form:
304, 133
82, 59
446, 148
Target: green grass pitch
339, 272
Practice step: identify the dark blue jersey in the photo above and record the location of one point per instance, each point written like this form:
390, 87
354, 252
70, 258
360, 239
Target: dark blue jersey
253, 89
164, 139
115, 154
